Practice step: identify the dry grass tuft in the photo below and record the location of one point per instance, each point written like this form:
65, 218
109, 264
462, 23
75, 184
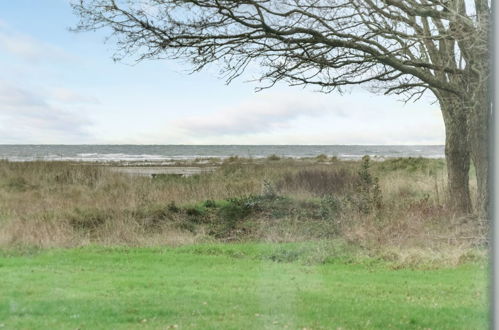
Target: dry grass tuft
319, 181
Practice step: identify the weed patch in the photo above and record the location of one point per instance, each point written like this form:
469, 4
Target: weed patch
412, 164
19, 184
319, 182
89, 219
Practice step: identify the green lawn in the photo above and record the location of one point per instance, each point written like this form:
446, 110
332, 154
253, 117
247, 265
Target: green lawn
232, 287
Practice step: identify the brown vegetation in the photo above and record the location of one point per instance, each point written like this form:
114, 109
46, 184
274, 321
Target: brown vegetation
377, 205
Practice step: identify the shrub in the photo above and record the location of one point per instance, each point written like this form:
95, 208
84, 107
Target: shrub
210, 203
232, 159
196, 214
268, 190
368, 189
273, 157
236, 209
329, 206
321, 158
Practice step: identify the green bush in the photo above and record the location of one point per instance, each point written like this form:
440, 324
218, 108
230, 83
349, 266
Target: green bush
210, 203
196, 214
321, 158
329, 206
369, 196
237, 209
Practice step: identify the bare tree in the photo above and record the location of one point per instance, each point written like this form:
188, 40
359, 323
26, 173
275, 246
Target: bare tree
404, 47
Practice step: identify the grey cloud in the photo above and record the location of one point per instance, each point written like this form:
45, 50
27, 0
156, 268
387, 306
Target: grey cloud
282, 119
258, 115
12, 96
29, 48
30, 118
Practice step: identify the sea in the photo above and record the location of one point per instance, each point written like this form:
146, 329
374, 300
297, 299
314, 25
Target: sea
165, 153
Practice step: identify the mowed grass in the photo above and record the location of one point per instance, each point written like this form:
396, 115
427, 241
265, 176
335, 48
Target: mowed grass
233, 286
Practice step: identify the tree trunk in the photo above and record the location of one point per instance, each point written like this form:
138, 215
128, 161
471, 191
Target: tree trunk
479, 135
480, 115
457, 153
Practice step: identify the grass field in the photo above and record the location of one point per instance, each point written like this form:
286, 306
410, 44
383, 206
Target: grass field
275, 243
233, 286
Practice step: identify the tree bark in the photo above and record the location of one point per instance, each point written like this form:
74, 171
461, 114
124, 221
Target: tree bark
479, 121
477, 81
457, 153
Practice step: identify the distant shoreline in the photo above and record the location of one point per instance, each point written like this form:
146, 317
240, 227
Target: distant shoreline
201, 162
170, 154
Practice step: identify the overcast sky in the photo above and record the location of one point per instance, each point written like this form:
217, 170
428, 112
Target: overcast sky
60, 87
